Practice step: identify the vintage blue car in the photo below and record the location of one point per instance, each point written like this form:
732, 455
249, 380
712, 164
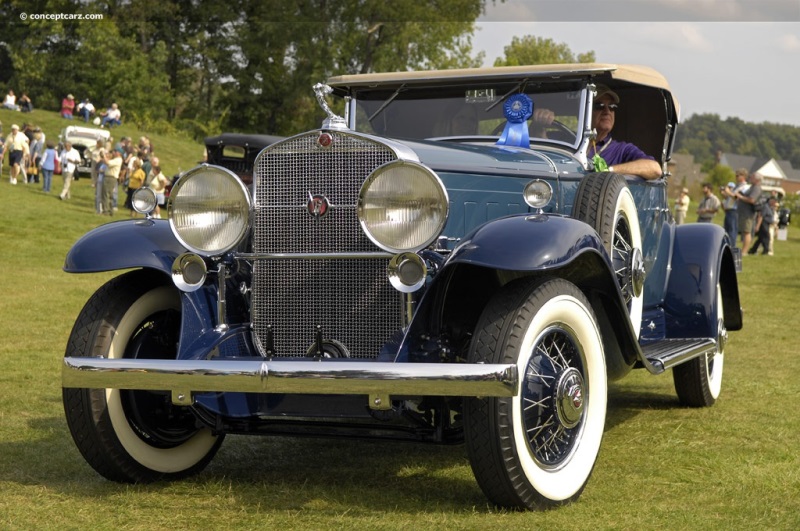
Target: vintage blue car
441, 264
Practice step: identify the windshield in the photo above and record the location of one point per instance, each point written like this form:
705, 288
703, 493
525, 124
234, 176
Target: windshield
468, 111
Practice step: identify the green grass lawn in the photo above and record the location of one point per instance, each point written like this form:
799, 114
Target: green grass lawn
661, 466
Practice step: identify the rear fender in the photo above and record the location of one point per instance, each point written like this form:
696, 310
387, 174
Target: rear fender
701, 259
125, 244
503, 250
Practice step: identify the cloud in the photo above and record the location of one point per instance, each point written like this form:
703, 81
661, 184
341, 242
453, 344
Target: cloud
676, 35
693, 38
790, 43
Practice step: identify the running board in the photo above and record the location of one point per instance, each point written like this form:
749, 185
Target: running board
667, 353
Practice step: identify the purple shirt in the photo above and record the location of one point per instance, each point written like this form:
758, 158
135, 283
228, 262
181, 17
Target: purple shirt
617, 152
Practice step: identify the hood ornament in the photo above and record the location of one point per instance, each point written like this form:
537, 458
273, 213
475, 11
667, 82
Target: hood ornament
333, 121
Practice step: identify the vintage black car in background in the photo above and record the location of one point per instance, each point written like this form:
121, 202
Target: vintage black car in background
392, 276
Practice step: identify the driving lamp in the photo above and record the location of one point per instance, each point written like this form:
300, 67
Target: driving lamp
537, 193
189, 272
144, 200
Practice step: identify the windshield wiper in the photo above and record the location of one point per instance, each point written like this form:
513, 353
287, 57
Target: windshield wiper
387, 102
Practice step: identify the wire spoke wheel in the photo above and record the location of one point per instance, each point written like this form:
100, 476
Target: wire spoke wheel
538, 448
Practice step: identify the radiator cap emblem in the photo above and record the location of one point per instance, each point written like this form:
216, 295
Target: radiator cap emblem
317, 205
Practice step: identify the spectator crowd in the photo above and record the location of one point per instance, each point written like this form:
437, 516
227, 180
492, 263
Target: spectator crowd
751, 217
31, 158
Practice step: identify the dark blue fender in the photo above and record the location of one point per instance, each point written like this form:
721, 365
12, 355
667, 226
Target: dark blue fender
507, 248
124, 245
150, 244
701, 259
527, 243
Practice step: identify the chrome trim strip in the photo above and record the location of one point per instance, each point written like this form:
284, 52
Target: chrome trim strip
313, 256
295, 377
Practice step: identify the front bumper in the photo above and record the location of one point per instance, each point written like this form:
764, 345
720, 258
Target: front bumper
379, 380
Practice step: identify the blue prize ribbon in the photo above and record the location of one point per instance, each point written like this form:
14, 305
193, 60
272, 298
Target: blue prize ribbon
517, 110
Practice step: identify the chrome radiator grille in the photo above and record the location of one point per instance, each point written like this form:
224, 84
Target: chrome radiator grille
351, 300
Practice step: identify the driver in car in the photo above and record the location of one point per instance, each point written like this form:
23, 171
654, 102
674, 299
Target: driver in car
619, 157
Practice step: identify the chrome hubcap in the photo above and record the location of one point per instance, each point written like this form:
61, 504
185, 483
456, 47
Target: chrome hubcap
569, 398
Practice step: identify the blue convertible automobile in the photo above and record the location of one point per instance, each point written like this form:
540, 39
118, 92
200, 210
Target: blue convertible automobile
433, 266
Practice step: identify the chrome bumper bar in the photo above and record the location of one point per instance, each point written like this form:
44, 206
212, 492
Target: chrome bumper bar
379, 380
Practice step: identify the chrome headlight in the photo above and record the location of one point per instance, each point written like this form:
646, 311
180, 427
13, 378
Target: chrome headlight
144, 200
537, 193
402, 206
209, 210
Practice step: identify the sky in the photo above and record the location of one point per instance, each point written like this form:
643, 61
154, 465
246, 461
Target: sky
733, 58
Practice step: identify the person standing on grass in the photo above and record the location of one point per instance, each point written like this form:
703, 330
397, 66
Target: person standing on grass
48, 167
731, 222
97, 182
70, 158
764, 220
113, 161
135, 182
16, 146
682, 207
158, 183
746, 208
708, 205
102, 168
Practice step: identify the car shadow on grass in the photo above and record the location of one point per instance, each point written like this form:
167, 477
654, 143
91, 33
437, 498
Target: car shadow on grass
273, 473
278, 474
625, 403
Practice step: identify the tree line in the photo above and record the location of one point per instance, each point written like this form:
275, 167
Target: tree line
208, 65
205, 66
704, 135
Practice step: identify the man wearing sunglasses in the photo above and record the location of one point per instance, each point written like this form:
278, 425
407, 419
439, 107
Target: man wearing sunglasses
621, 157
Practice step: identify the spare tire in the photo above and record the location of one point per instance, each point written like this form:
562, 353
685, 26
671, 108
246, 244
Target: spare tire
605, 202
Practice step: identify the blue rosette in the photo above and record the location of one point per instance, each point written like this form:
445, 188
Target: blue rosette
517, 110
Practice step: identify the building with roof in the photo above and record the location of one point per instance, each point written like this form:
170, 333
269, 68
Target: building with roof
777, 174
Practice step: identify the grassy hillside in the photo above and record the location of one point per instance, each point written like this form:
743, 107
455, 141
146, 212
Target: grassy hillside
176, 152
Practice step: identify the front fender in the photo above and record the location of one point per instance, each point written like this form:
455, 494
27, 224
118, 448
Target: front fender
701, 259
499, 252
527, 243
125, 244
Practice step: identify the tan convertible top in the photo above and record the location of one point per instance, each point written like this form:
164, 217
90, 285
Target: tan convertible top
643, 75
608, 73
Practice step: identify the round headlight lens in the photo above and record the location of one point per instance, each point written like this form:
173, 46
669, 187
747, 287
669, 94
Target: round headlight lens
209, 210
143, 200
538, 193
402, 206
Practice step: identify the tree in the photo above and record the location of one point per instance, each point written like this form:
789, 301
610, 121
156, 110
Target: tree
720, 175
245, 65
530, 50
283, 48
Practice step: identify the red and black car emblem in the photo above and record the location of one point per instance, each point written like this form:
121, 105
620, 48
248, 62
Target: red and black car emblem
317, 205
